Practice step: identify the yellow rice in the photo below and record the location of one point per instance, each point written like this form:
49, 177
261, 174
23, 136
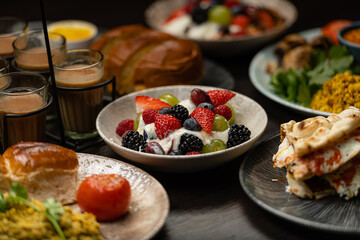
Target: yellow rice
338, 94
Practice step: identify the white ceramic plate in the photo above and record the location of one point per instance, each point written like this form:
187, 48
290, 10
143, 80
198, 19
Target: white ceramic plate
149, 206
248, 112
156, 14
261, 79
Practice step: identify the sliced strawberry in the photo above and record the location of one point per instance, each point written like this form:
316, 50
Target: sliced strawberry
204, 117
145, 102
224, 111
124, 126
177, 13
220, 97
241, 20
166, 124
149, 115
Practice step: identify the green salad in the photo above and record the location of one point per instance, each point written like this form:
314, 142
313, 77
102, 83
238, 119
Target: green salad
300, 85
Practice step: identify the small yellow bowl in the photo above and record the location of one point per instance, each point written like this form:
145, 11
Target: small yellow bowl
78, 33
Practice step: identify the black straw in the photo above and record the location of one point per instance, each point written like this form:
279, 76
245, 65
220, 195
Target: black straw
51, 67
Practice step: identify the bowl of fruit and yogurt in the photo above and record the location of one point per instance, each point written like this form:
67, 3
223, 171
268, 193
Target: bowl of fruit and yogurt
239, 25
181, 128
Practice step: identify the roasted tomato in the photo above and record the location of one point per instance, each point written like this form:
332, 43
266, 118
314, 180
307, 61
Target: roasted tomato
331, 29
107, 196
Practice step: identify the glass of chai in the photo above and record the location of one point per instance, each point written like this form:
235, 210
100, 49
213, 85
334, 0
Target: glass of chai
30, 51
23, 99
10, 29
77, 75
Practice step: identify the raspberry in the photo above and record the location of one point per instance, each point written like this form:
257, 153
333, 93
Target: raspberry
193, 153
149, 115
166, 124
133, 140
124, 126
224, 111
190, 143
237, 135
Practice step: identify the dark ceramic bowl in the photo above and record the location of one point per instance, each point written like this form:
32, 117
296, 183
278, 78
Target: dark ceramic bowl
354, 48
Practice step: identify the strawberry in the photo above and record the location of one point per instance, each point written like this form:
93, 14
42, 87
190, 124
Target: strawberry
145, 102
166, 124
124, 126
224, 111
220, 97
204, 117
192, 153
149, 115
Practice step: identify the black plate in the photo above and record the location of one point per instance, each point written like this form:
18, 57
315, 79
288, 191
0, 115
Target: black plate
257, 176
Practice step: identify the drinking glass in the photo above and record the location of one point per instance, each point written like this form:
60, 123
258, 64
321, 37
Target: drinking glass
23, 102
10, 29
78, 74
30, 51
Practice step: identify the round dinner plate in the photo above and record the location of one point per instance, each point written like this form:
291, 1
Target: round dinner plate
261, 79
149, 206
266, 186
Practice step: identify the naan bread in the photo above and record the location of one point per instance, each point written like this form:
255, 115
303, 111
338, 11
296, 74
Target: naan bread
315, 133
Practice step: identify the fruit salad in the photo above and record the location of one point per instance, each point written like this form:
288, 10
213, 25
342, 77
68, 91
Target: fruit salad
202, 124
216, 19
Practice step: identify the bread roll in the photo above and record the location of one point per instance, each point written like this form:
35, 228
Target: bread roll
45, 169
141, 58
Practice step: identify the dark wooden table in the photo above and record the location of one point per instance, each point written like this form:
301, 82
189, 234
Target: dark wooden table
212, 204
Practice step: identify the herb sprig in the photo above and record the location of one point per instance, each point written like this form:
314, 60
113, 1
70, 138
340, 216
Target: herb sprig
300, 85
18, 193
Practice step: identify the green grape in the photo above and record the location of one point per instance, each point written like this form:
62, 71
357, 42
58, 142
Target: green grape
219, 123
213, 146
232, 119
136, 122
220, 14
170, 99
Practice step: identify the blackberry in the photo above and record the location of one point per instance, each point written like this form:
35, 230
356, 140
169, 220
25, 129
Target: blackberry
199, 15
189, 143
237, 135
180, 112
133, 140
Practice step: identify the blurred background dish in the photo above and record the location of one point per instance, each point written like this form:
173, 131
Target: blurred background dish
160, 11
248, 113
350, 37
78, 33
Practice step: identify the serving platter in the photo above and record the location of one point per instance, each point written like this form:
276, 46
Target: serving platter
149, 206
266, 186
261, 79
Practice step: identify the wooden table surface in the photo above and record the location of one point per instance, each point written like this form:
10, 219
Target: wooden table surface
211, 204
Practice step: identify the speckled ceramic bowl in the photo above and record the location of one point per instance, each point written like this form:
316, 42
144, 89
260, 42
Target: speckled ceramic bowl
156, 14
248, 112
352, 47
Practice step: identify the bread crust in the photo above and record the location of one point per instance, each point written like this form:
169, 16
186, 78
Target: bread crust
26, 157
45, 169
141, 58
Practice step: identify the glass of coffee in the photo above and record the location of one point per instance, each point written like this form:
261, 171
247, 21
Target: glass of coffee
10, 29
30, 51
22, 102
78, 76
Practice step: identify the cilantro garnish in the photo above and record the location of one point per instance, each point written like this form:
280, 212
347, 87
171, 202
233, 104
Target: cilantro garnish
18, 193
